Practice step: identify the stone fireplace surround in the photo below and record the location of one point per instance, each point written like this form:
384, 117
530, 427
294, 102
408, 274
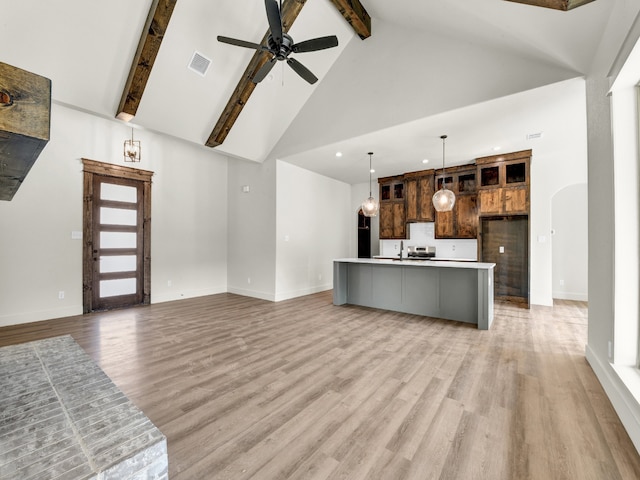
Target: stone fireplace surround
61, 417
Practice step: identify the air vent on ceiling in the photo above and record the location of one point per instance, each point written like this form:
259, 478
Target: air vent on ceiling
533, 136
199, 63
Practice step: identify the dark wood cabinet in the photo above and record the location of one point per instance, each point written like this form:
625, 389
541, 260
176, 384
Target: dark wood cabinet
419, 190
462, 221
503, 204
392, 208
504, 184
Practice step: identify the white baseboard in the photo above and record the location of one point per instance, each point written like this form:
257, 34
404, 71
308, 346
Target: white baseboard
617, 382
578, 297
302, 292
37, 316
202, 292
252, 293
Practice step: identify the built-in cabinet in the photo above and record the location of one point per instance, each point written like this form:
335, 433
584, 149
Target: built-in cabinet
462, 221
504, 184
492, 186
504, 236
419, 190
392, 207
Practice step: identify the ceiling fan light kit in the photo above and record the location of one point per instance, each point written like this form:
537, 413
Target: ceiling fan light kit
280, 46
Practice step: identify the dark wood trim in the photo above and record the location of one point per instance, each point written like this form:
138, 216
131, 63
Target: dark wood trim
91, 168
87, 250
146, 239
555, 4
504, 157
152, 35
112, 170
354, 12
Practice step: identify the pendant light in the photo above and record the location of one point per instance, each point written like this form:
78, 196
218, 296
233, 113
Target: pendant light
443, 199
370, 206
132, 149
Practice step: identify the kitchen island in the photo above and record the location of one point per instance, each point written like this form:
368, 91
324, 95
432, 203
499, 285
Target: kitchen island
451, 290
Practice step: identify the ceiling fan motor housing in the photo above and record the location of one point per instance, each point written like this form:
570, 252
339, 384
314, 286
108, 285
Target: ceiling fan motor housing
283, 50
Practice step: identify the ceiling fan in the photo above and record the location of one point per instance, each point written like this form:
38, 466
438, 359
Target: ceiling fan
280, 45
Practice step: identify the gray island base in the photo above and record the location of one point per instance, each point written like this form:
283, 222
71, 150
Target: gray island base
461, 291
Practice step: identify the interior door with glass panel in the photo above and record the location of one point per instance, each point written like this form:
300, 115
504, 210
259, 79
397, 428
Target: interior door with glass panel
118, 247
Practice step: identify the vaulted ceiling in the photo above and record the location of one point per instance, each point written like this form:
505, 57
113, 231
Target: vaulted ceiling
423, 65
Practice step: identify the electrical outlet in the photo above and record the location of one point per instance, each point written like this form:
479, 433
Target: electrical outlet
61, 295
248, 279
501, 249
562, 283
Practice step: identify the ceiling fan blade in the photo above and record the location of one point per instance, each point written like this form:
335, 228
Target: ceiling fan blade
275, 22
301, 70
241, 43
264, 71
315, 44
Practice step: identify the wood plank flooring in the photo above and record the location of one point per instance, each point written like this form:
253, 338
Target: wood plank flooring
302, 389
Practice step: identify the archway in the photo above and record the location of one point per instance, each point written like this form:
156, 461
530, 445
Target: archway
364, 235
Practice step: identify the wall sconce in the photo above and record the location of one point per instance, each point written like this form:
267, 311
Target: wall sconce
132, 149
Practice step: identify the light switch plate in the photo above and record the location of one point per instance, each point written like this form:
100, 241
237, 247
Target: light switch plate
501, 249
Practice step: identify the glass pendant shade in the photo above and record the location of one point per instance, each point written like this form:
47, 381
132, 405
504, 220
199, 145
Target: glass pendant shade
370, 206
443, 200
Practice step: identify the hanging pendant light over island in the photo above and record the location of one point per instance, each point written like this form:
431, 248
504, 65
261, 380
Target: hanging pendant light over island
370, 206
443, 199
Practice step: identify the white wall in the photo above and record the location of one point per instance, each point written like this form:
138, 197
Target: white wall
312, 228
569, 241
606, 323
38, 258
252, 229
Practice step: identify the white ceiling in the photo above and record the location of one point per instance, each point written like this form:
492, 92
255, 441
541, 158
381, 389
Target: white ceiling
86, 48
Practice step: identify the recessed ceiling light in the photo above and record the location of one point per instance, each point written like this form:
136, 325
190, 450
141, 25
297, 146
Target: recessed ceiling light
425, 161
338, 154
495, 149
372, 171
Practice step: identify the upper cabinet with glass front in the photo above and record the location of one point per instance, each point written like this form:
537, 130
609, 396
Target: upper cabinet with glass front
503, 187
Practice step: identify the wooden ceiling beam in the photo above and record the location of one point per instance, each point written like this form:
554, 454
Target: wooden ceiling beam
148, 47
356, 15
245, 87
555, 4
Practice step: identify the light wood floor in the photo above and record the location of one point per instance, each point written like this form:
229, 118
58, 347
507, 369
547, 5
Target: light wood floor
245, 388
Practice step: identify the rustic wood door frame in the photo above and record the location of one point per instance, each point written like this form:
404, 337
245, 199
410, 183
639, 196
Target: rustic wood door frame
91, 169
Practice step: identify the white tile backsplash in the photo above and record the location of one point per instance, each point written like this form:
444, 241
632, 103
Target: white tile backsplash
422, 234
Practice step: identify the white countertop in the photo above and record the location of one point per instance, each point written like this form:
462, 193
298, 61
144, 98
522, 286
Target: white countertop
419, 263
